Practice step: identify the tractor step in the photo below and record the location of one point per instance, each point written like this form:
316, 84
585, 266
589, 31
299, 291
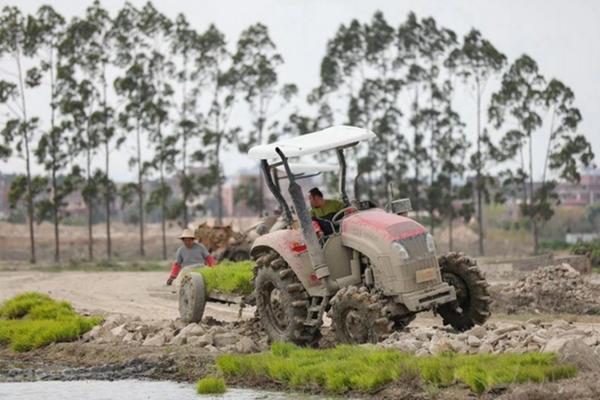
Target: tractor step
316, 310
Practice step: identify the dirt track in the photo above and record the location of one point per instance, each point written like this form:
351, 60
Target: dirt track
137, 294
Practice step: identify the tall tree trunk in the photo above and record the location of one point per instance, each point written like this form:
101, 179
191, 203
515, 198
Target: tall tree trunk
89, 203
450, 237
478, 167
107, 194
531, 201
261, 193
27, 160
140, 188
54, 145
184, 177
219, 184
417, 161
163, 206
432, 158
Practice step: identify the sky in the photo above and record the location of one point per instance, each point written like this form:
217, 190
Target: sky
562, 36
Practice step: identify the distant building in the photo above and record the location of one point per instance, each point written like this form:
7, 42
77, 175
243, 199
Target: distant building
586, 192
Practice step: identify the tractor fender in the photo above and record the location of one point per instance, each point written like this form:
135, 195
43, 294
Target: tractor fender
290, 245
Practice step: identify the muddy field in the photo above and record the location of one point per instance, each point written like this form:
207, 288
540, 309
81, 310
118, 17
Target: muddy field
142, 337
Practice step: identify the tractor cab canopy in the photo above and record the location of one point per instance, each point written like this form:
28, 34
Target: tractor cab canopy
335, 137
275, 157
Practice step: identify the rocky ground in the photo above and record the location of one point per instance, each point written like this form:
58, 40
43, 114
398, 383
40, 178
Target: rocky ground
553, 289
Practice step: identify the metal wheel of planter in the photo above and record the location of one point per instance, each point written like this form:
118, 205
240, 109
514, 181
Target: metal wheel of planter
192, 297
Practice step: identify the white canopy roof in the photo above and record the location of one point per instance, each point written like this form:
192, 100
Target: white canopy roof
323, 140
309, 168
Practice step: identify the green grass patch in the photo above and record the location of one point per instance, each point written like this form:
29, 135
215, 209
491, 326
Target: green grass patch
366, 369
229, 277
211, 385
32, 320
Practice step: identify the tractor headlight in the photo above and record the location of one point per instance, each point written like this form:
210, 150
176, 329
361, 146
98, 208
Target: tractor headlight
400, 250
430, 243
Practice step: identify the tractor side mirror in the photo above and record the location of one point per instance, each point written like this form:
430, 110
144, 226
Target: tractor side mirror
401, 206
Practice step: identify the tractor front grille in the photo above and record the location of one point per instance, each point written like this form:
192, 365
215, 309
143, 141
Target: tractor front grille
420, 258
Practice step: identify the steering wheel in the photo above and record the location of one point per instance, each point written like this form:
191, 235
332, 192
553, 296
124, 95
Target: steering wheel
339, 216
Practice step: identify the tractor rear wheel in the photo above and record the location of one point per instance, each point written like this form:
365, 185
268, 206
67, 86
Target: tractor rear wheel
358, 316
472, 305
282, 302
192, 297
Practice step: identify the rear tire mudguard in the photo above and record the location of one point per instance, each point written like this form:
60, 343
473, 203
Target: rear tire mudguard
290, 245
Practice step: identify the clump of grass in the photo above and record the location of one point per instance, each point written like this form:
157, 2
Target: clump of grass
211, 385
33, 320
19, 306
229, 277
351, 368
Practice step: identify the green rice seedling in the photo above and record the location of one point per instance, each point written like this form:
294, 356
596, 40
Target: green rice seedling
33, 320
20, 305
229, 277
211, 385
367, 368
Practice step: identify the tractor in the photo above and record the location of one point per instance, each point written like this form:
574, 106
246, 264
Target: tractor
371, 276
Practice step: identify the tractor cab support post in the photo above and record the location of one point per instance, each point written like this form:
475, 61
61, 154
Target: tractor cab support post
342, 176
315, 251
285, 209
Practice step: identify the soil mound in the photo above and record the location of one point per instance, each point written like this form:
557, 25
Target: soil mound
551, 289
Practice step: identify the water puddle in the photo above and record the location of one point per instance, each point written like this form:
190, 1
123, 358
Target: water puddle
129, 390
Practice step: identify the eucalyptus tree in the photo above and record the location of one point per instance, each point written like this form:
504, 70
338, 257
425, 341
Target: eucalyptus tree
88, 43
19, 39
521, 102
54, 154
185, 45
216, 74
156, 28
422, 45
360, 71
78, 101
450, 150
257, 60
135, 88
476, 61
51, 152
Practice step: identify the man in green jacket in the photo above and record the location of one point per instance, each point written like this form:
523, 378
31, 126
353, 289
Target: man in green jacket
322, 209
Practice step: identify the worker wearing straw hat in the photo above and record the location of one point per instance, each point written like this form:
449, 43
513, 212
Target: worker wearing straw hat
190, 255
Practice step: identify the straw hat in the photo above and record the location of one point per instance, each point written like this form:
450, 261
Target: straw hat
187, 234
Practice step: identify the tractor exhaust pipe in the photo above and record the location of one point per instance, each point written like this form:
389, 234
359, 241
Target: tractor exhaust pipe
315, 251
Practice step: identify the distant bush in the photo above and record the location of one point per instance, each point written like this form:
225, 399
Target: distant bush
33, 320
554, 245
229, 277
590, 249
367, 369
211, 385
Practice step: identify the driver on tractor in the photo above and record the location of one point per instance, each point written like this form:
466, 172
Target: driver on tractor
322, 211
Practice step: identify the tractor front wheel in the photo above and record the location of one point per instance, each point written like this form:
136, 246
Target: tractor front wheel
282, 302
472, 305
